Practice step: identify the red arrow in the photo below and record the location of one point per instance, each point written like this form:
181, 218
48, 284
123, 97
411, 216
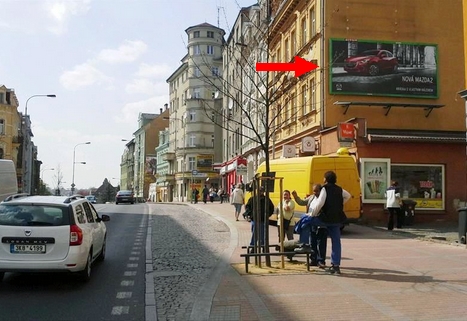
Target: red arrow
300, 66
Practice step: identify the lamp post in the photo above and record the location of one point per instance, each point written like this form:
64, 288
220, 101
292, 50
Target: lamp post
74, 162
26, 177
184, 152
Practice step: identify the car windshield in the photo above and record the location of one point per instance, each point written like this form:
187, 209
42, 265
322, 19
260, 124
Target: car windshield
370, 53
124, 193
32, 215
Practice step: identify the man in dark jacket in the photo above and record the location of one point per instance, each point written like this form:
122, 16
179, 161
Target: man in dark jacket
329, 211
266, 209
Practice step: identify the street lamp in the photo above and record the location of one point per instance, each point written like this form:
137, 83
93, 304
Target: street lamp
26, 177
184, 151
74, 162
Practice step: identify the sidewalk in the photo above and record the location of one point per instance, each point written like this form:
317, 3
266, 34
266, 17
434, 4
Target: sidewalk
385, 276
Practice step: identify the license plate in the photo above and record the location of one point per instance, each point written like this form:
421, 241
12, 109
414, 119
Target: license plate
27, 249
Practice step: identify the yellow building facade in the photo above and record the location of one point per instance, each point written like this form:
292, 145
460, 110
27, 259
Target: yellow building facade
10, 125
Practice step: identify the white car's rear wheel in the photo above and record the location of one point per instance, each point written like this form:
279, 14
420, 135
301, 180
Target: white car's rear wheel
85, 274
101, 256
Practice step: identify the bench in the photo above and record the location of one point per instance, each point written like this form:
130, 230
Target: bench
248, 255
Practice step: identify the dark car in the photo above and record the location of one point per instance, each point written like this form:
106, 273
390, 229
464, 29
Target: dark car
372, 62
124, 196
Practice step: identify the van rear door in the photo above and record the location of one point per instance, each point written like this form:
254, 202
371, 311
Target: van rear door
8, 181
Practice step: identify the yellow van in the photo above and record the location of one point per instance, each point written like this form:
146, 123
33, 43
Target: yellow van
301, 173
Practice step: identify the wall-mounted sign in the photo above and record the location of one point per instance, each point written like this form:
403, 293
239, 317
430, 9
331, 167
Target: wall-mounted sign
382, 68
375, 174
345, 132
204, 162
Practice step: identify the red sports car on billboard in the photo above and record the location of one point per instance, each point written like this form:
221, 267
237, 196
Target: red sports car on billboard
372, 62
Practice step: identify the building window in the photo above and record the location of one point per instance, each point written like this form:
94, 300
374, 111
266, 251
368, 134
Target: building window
304, 39
192, 140
2, 97
210, 34
215, 71
196, 34
196, 50
304, 100
1, 153
196, 93
293, 43
313, 94
212, 140
2, 127
312, 22
287, 49
210, 50
192, 116
191, 163
294, 107
197, 72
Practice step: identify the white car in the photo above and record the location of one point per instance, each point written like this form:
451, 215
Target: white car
50, 234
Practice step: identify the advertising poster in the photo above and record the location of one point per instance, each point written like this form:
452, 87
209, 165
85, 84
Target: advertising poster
378, 68
151, 165
204, 162
375, 177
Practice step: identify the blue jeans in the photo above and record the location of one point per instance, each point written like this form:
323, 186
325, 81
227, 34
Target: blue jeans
319, 240
334, 231
262, 233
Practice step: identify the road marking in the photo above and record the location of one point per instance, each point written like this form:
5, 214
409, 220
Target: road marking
134, 258
135, 253
124, 295
132, 265
127, 283
129, 273
118, 310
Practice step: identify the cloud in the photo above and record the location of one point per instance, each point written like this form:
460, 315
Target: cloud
130, 112
129, 51
154, 71
60, 11
82, 76
145, 86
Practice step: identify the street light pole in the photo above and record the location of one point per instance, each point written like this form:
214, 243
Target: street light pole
42, 179
74, 162
26, 178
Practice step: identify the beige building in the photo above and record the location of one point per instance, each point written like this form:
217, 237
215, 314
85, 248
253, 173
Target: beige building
193, 102
386, 88
10, 128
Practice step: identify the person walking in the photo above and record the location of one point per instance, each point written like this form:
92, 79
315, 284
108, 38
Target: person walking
329, 211
288, 207
393, 197
205, 194
318, 234
261, 218
237, 199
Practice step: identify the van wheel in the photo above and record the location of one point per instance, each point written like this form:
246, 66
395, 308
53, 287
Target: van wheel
85, 275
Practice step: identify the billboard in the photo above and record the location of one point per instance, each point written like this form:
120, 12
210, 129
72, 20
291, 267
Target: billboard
378, 68
204, 162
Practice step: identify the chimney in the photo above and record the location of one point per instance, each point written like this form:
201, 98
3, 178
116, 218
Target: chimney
160, 110
166, 106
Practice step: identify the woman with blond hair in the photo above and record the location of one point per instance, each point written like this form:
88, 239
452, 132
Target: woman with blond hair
237, 199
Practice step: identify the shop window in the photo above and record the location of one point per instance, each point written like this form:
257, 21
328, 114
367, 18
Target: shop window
422, 183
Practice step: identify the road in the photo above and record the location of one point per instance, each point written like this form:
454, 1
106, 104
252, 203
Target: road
116, 290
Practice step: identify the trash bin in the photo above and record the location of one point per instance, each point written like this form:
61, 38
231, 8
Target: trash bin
408, 211
462, 224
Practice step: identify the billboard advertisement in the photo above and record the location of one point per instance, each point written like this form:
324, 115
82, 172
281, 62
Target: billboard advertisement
204, 162
378, 68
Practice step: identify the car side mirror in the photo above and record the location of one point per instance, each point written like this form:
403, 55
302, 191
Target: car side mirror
105, 218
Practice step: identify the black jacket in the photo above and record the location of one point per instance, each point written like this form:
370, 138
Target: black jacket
261, 216
333, 208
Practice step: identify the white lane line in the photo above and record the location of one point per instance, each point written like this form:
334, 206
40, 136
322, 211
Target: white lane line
132, 265
135, 253
119, 310
129, 273
127, 283
124, 295
134, 258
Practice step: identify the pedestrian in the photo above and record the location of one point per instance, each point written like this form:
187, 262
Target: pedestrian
288, 207
205, 194
266, 209
212, 194
328, 211
318, 234
237, 199
220, 192
393, 198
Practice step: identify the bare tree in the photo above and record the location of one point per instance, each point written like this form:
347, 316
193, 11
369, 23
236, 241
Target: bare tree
58, 178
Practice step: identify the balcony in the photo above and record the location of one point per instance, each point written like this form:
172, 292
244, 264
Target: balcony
168, 156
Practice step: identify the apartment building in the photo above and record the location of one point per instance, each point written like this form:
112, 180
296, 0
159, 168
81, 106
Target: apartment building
10, 128
386, 88
127, 166
194, 105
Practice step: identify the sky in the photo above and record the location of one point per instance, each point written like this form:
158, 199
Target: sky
106, 61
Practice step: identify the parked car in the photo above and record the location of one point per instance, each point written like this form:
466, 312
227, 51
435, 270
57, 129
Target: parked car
124, 196
91, 198
51, 234
372, 62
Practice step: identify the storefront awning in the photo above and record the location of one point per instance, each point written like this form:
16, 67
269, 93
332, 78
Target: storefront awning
374, 135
